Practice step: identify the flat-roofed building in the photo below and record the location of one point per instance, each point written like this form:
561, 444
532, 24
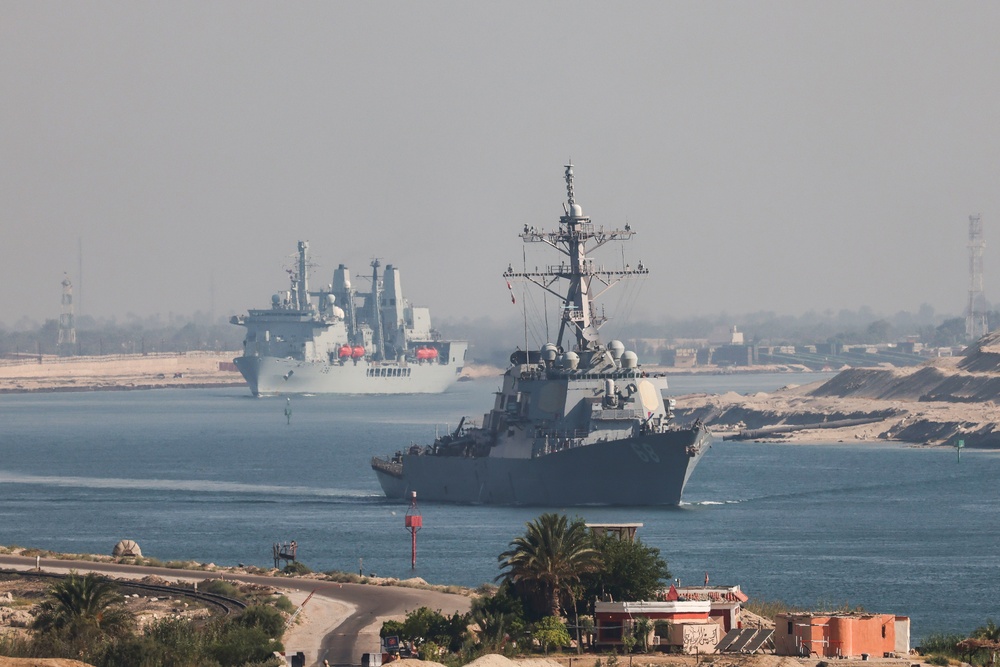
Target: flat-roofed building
850, 635
686, 622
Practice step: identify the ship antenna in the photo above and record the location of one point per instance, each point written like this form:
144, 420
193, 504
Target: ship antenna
524, 305
575, 239
569, 184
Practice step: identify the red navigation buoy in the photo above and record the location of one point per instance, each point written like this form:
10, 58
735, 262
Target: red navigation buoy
413, 522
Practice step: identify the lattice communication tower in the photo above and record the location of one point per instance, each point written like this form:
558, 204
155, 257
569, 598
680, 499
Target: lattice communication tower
976, 325
66, 344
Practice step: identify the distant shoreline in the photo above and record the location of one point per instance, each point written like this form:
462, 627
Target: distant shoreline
206, 370
129, 387
49, 373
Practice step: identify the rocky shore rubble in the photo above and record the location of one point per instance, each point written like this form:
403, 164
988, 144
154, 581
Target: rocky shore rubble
938, 403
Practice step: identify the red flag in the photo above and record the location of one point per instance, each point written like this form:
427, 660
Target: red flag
511, 289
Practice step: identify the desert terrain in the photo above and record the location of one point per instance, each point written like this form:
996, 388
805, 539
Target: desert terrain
940, 402
114, 372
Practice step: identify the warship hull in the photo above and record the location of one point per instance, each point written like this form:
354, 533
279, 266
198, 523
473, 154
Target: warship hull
637, 471
271, 376
576, 421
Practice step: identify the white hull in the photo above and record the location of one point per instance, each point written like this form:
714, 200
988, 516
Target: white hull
271, 376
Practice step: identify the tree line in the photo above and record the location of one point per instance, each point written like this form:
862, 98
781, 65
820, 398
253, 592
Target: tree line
84, 617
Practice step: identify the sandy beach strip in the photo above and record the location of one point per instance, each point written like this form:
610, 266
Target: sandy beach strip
115, 372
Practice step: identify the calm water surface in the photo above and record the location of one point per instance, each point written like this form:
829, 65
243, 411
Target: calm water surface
216, 476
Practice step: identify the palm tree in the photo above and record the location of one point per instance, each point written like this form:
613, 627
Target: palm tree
550, 557
81, 605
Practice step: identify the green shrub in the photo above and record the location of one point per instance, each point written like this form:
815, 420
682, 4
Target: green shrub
264, 617
235, 644
429, 651
296, 568
940, 644
939, 660
391, 629
284, 604
550, 631
220, 587
15, 646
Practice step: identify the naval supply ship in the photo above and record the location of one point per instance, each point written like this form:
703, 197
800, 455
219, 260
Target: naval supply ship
338, 340
577, 421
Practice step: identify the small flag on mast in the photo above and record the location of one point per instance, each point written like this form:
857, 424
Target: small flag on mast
511, 290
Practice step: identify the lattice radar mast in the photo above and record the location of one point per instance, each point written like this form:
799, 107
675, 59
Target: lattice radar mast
576, 238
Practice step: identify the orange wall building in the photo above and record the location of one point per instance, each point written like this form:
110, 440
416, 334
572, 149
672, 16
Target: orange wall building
841, 635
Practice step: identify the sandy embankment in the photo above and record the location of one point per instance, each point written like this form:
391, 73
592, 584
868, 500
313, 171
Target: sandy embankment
138, 371
131, 371
937, 403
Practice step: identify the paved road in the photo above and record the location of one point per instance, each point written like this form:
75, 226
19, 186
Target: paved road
343, 646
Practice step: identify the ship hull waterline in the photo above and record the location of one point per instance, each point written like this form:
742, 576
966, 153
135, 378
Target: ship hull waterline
643, 470
271, 376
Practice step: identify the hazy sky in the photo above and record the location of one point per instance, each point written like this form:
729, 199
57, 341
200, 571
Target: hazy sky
778, 156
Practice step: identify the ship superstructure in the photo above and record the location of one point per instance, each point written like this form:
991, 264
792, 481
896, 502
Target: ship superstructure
577, 421
338, 340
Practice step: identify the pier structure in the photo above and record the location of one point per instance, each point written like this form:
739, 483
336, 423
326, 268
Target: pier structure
284, 551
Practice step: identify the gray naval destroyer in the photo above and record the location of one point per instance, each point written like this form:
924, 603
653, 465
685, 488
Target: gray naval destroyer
580, 426
338, 340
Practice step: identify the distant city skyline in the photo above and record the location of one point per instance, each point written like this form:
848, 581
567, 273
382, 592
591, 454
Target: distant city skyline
771, 157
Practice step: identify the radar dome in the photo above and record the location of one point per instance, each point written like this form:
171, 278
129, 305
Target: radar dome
338, 312
630, 360
549, 352
616, 347
577, 211
275, 299
572, 360
330, 298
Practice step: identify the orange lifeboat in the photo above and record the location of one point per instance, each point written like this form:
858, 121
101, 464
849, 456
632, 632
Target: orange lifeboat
357, 352
344, 352
426, 353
